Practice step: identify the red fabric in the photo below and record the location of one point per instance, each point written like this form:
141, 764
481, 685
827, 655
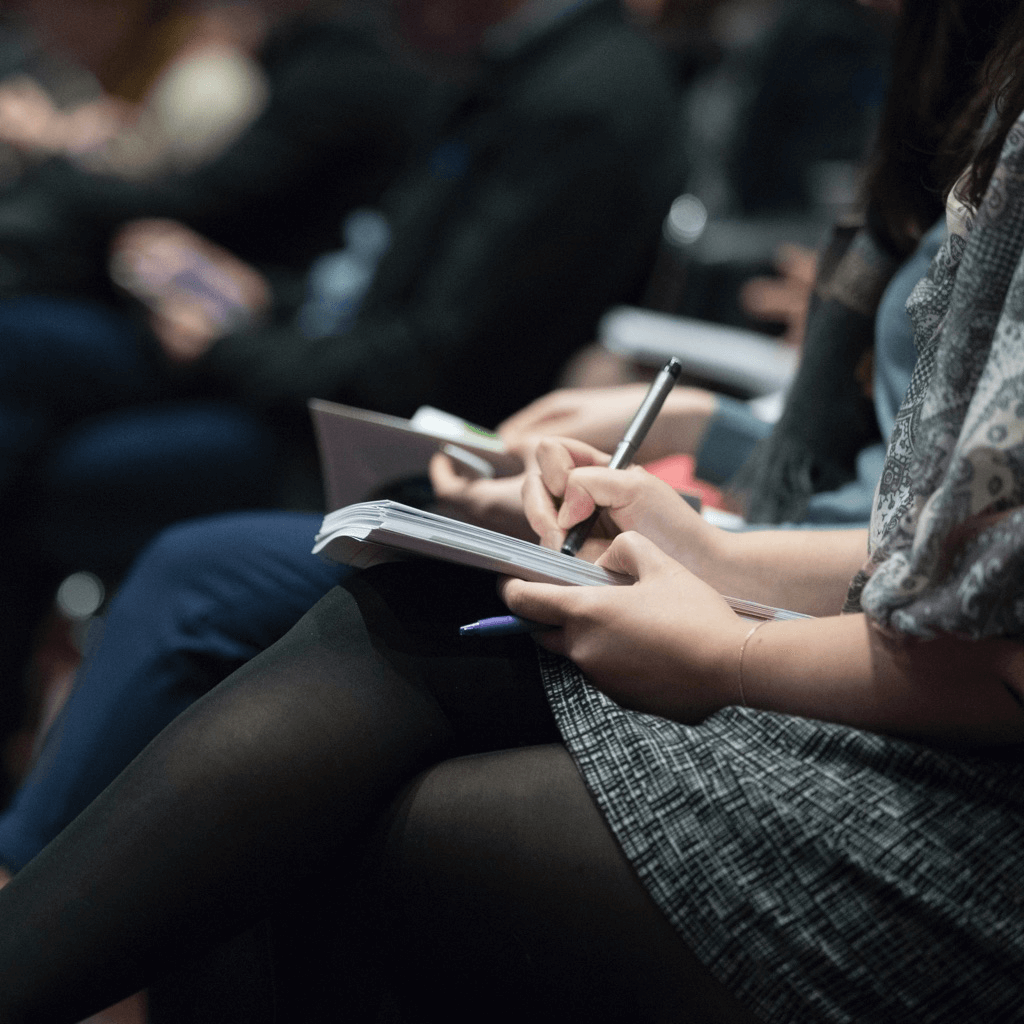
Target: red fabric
677, 472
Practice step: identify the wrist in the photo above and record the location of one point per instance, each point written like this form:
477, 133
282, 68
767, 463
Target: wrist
748, 638
706, 550
721, 670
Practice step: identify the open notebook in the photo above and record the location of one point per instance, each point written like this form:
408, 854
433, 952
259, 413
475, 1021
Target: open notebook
371, 532
362, 452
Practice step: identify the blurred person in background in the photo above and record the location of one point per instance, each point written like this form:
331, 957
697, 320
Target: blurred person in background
93, 418
537, 179
192, 85
772, 131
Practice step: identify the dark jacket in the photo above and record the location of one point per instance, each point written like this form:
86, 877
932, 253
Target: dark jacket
534, 208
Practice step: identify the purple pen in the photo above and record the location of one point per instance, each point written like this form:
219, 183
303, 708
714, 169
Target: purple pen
501, 625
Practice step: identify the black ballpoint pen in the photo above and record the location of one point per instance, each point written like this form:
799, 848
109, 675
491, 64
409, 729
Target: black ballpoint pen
631, 440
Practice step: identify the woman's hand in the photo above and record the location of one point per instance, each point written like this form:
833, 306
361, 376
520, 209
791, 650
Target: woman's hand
492, 503
668, 644
671, 646
600, 415
569, 478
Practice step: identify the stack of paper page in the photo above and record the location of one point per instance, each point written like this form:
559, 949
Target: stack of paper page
382, 531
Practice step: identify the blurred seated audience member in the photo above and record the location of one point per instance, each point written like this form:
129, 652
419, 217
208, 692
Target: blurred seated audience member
64, 81
98, 423
336, 126
516, 201
771, 134
776, 131
532, 203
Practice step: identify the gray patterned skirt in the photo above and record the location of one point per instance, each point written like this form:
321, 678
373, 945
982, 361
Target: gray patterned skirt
822, 873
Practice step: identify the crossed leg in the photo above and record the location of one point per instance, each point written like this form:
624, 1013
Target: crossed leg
497, 879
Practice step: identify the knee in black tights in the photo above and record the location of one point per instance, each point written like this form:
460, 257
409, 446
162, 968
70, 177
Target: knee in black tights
262, 787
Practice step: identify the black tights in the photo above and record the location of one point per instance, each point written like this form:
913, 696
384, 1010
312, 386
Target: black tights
406, 783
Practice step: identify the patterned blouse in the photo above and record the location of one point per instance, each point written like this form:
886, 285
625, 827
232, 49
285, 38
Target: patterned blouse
946, 543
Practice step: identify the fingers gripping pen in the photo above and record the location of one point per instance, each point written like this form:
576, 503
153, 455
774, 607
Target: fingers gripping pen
631, 441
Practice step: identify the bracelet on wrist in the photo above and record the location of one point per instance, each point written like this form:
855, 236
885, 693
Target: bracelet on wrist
743, 650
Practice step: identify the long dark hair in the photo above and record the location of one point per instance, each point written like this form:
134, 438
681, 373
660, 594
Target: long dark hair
945, 54
1002, 92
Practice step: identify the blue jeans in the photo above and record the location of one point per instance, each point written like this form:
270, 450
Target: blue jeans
203, 599
99, 449
92, 422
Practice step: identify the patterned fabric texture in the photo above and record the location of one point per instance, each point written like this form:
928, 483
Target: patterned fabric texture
946, 552
823, 874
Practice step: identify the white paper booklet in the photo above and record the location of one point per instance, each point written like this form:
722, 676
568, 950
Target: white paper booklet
754, 363
362, 451
372, 532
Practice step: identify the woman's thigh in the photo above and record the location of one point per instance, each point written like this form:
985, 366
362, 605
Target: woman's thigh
504, 896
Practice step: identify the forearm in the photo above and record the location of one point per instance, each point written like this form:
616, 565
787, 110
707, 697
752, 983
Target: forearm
841, 669
699, 657
804, 570
599, 415
679, 427
277, 366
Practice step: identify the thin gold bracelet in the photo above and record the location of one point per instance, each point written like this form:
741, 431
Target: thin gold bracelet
743, 649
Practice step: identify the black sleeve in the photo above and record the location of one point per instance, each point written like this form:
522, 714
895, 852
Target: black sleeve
479, 309
334, 134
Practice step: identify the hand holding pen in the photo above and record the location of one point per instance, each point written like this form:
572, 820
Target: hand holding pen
541, 497
631, 441
560, 490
